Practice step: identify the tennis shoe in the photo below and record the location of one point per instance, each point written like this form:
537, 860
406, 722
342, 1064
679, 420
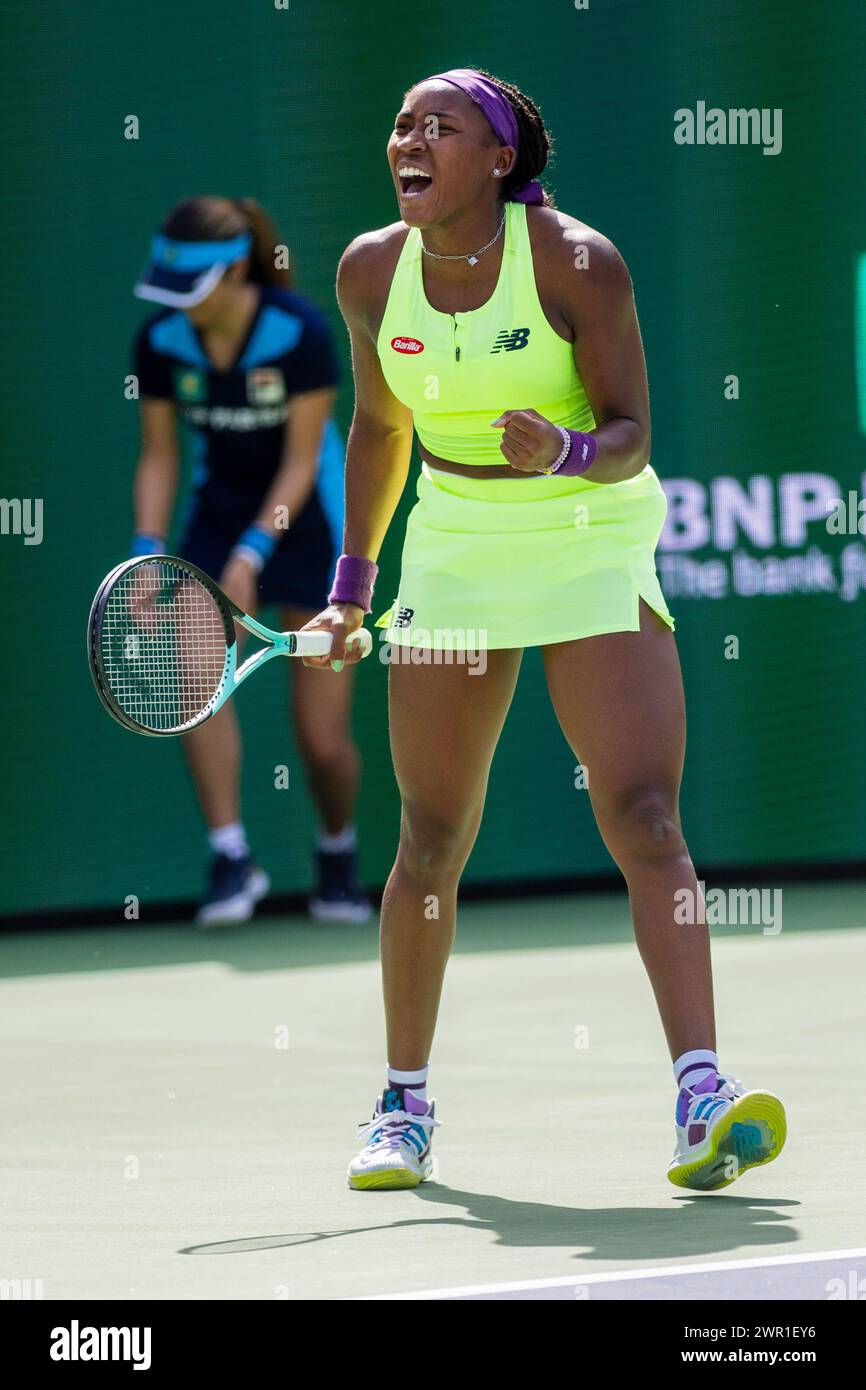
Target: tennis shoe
234, 888
721, 1133
396, 1151
338, 896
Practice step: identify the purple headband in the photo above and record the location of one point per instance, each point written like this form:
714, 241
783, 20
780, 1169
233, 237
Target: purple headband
500, 115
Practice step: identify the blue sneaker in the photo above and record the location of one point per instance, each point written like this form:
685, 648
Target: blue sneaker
338, 896
234, 888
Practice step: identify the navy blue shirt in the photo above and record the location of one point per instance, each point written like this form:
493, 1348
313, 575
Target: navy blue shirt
238, 416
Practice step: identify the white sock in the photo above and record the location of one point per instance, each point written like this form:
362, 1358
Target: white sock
338, 843
230, 840
694, 1067
415, 1082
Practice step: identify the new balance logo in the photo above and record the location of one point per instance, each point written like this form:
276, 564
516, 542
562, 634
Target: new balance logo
747, 1142
511, 339
404, 617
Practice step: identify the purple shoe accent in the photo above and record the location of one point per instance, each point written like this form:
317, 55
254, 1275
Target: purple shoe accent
697, 1133
397, 1097
400, 1122
708, 1085
682, 1111
412, 1105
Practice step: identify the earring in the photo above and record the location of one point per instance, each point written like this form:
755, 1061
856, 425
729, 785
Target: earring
496, 173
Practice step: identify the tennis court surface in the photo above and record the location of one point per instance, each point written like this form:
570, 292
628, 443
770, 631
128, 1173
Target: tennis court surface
180, 1107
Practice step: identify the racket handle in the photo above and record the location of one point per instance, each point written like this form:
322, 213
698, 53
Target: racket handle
319, 643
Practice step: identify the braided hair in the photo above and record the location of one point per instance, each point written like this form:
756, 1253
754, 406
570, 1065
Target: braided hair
535, 142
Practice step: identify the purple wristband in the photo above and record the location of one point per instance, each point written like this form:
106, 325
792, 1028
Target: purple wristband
580, 456
353, 581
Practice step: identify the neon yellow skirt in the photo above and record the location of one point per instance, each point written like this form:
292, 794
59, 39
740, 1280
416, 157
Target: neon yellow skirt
522, 562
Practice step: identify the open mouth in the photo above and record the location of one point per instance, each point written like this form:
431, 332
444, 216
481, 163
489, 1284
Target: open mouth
413, 180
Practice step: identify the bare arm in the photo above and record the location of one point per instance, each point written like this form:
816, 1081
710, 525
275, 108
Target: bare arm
609, 357
292, 484
296, 475
155, 484
597, 302
380, 439
379, 445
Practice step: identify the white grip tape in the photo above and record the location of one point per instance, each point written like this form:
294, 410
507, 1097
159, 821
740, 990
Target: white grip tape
319, 643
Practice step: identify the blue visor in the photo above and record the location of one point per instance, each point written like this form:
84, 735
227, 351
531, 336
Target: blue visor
183, 273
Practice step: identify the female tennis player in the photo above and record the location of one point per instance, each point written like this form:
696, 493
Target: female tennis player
505, 332
249, 366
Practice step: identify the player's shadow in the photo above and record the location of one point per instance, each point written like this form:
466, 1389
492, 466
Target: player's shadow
693, 1224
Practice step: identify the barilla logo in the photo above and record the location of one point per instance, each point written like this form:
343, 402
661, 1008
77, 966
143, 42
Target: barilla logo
407, 345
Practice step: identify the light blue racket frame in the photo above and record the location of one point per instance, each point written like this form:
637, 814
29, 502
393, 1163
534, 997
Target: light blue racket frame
277, 644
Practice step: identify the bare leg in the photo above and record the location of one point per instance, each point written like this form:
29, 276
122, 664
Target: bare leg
444, 725
619, 701
213, 752
322, 704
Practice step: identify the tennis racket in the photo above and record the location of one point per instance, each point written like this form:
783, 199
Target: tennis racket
162, 645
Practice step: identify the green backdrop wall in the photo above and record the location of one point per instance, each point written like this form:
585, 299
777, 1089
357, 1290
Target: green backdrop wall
744, 264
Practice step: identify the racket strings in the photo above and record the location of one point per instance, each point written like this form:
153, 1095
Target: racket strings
163, 645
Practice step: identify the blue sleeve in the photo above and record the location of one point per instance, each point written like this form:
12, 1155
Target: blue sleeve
153, 369
312, 364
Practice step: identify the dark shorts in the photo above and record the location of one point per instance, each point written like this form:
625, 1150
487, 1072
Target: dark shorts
300, 571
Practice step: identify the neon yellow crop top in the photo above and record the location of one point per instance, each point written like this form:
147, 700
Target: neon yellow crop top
457, 372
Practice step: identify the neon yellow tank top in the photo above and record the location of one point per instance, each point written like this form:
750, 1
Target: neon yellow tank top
457, 372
